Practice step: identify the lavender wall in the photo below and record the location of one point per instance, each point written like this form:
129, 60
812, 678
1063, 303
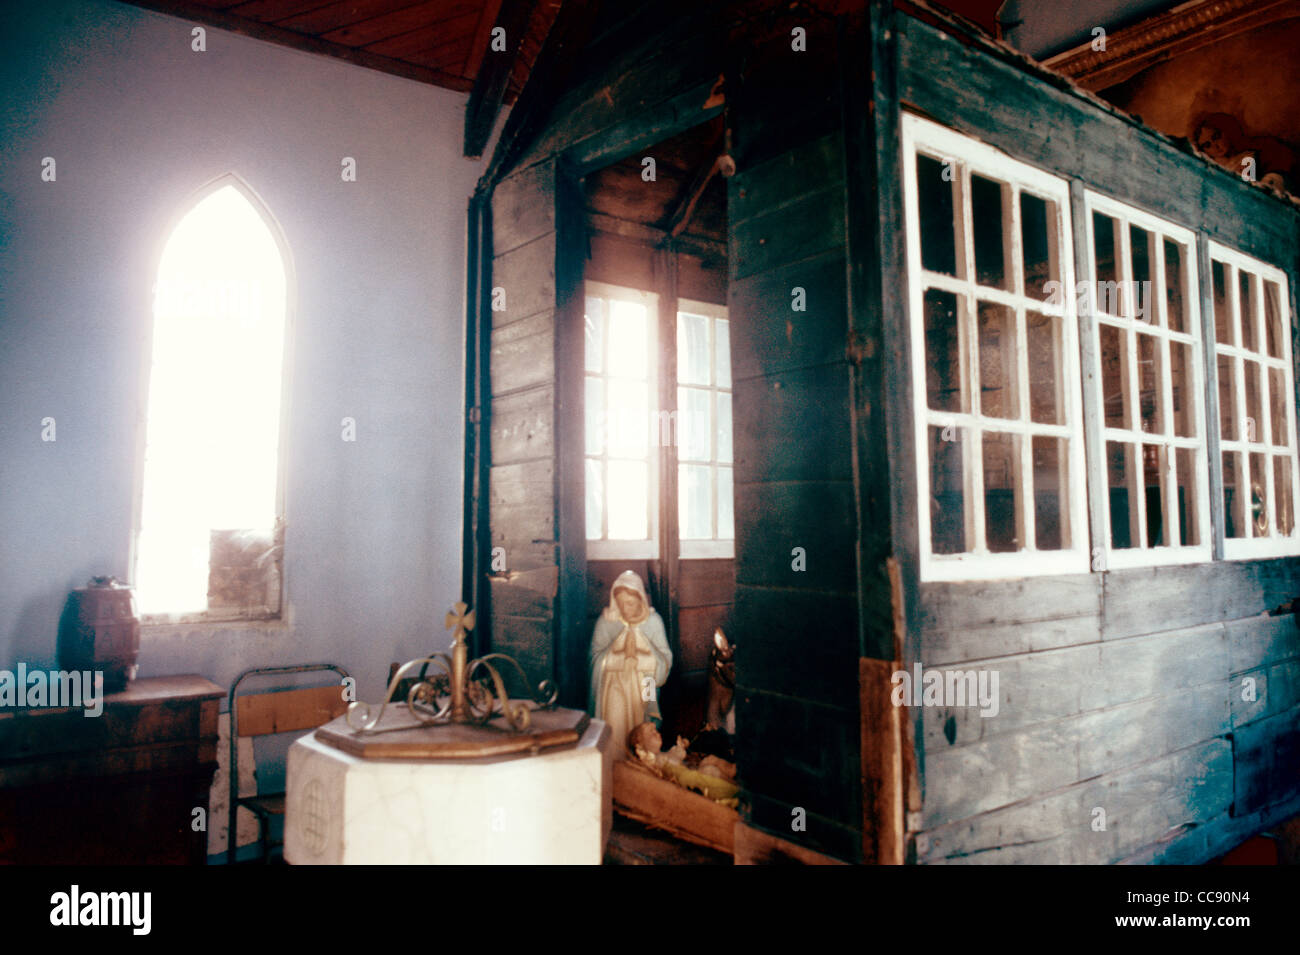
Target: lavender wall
137, 121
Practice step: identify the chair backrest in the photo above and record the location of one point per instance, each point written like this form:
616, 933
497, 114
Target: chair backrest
279, 711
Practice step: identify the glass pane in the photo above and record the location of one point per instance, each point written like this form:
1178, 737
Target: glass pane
628, 346
692, 349
947, 491
722, 353
1181, 371
726, 505
934, 198
1227, 398
1002, 491
628, 418
1222, 307
1051, 508
1282, 495
593, 321
594, 412
1122, 480
1141, 254
1154, 469
1175, 286
628, 500
595, 496
694, 424
1259, 516
1043, 332
1246, 303
997, 331
1189, 530
1037, 222
986, 217
1151, 399
1254, 423
1106, 295
1278, 403
694, 510
1114, 376
943, 366
724, 428
1234, 496
1273, 319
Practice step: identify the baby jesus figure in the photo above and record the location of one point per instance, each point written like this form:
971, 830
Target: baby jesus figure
647, 743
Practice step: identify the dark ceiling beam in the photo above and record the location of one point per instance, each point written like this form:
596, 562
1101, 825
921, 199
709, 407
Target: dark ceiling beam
272, 34
489, 90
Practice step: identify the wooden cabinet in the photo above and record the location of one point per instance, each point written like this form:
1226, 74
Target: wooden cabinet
119, 788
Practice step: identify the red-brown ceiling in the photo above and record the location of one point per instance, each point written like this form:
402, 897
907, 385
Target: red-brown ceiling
435, 41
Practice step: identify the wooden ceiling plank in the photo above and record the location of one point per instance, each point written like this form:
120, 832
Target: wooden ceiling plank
405, 46
388, 25
269, 11
341, 13
493, 75
300, 41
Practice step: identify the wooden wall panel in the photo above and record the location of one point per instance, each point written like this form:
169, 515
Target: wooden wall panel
798, 644
522, 426
802, 401
782, 339
1140, 803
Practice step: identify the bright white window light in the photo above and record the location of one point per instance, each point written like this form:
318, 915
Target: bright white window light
213, 427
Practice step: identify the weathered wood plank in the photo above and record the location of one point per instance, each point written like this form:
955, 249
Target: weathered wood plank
523, 207
969, 780
525, 593
786, 178
521, 505
1140, 600
881, 742
522, 361
961, 605
523, 426
768, 336
822, 835
1255, 641
526, 278
1181, 789
774, 520
1265, 756
811, 669
794, 427
980, 643
1041, 687
800, 753
799, 230
530, 640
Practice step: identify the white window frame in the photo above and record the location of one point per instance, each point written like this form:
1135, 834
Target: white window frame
1143, 554
718, 547
922, 135
602, 548
1249, 548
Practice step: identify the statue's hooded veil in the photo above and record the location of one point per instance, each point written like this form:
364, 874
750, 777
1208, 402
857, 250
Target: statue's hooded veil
628, 580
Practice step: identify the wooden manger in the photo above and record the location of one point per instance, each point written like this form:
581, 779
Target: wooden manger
649, 799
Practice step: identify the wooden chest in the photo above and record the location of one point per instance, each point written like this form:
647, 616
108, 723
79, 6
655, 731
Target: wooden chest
119, 788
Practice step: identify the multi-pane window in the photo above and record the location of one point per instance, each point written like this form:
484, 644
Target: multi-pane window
995, 361
1145, 314
704, 468
1257, 432
621, 464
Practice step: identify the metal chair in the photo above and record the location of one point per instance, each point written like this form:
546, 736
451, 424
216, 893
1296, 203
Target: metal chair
265, 714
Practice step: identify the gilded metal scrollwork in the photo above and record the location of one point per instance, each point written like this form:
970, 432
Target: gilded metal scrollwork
465, 691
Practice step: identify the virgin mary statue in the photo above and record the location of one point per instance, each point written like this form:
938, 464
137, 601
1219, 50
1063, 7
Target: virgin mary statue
629, 660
